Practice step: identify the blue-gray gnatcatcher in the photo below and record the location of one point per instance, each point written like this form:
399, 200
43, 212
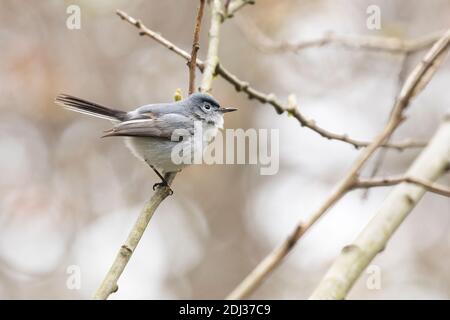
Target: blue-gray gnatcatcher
150, 129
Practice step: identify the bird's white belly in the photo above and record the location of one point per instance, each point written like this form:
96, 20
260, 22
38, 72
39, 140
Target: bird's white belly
158, 152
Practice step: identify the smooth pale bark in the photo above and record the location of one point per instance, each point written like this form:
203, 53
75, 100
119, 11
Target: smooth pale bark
430, 165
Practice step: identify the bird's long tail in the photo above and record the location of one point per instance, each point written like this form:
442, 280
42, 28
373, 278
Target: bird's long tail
90, 108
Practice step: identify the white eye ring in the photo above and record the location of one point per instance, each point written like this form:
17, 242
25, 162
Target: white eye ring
207, 106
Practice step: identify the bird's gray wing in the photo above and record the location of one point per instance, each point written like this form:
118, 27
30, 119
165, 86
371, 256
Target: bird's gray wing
164, 127
154, 111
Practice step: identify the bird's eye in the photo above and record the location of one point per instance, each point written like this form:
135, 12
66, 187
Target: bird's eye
207, 106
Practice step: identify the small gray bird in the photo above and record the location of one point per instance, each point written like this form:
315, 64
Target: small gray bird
149, 130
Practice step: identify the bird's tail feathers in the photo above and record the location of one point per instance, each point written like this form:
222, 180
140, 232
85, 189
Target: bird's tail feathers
90, 108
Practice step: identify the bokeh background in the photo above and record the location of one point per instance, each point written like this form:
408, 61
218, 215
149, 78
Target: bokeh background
69, 198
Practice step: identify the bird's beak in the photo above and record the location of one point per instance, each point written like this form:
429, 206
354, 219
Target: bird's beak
225, 110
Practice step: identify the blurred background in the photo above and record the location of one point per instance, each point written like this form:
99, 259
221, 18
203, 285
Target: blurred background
69, 198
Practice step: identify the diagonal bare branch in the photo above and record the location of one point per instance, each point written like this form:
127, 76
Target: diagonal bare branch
270, 99
109, 284
354, 258
410, 88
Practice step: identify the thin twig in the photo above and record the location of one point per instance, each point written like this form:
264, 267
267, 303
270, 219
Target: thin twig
109, 284
391, 181
372, 43
195, 46
354, 258
232, 7
382, 153
415, 82
270, 99
143, 30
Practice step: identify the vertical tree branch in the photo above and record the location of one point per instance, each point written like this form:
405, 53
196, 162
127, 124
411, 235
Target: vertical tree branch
431, 164
109, 284
195, 46
415, 82
212, 58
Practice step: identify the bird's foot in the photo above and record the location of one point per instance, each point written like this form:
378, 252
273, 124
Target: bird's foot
163, 184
